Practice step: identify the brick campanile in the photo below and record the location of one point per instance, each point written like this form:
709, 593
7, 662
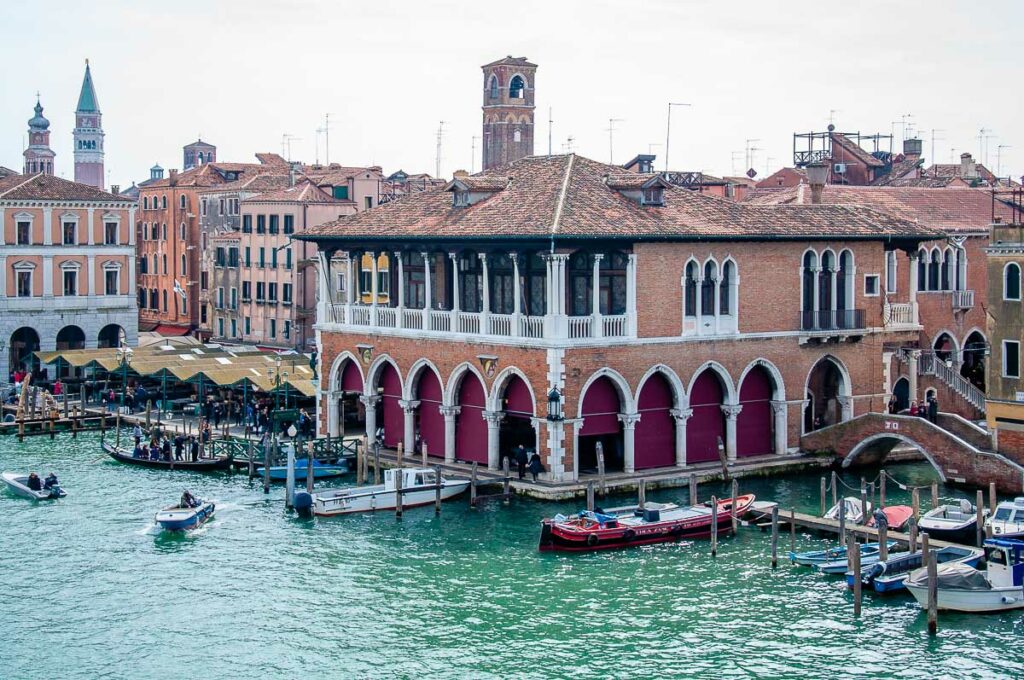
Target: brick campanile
88, 135
508, 110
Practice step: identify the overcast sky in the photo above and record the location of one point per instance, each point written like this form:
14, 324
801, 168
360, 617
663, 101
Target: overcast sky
242, 74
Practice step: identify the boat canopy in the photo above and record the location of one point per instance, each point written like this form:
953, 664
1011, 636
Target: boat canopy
955, 575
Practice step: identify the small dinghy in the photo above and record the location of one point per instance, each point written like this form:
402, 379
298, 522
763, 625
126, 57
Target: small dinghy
854, 510
815, 557
419, 487
897, 517
953, 523
962, 588
868, 555
1008, 521
190, 513
320, 470
888, 575
18, 483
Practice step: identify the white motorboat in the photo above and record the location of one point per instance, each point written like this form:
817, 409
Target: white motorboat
18, 483
183, 518
854, 510
954, 523
962, 588
1008, 521
419, 487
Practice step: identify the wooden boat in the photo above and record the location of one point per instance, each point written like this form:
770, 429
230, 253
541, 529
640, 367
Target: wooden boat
320, 470
953, 523
632, 525
1008, 520
854, 510
18, 483
178, 518
897, 516
419, 487
964, 589
814, 557
869, 554
203, 464
890, 574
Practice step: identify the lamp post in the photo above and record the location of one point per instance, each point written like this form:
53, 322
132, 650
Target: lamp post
555, 418
124, 359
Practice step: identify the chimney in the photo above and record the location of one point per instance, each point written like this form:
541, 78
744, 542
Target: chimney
911, 147
968, 169
293, 168
460, 173
173, 177
817, 174
115, 189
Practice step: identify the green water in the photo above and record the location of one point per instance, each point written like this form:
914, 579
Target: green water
88, 589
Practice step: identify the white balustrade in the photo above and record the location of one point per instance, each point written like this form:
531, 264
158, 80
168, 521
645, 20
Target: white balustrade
500, 324
441, 321
360, 316
531, 326
580, 326
387, 317
899, 314
468, 323
614, 326
412, 318
963, 299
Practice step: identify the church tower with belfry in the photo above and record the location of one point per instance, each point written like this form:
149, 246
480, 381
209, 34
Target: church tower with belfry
508, 110
88, 135
38, 155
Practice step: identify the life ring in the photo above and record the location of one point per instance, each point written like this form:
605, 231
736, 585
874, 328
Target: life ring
592, 539
629, 534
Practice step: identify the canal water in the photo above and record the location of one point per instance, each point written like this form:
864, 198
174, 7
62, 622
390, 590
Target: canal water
88, 589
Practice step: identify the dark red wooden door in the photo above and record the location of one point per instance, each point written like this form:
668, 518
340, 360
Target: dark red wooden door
393, 418
431, 420
754, 424
655, 440
707, 423
471, 428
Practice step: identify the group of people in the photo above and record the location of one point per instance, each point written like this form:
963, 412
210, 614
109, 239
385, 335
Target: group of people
160, 447
35, 484
927, 408
527, 462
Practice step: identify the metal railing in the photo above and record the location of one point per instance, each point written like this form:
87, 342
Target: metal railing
832, 320
930, 364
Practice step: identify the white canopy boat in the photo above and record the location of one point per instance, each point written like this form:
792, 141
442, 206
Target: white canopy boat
854, 510
419, 487
18, 483
964, 589
1008, 520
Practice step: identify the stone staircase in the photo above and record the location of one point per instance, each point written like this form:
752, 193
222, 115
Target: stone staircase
929, 364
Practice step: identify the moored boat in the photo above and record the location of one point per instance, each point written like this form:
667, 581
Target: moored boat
183, 518
17, 482
953, 523
854, 510
632, 525
965, 589
320, 470
897, 516
1008, 520
890, 574
419, 487
869, 553
203, 464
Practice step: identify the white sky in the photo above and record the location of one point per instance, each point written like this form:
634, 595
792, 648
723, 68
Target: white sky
244, 73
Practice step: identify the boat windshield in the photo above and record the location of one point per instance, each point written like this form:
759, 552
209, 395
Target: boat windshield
995, 556
425, 478
1003, 514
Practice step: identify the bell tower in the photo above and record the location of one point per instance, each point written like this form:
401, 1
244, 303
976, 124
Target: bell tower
39, 156
88, 135
508, 110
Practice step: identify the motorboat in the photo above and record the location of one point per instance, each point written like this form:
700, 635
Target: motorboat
953, 523
888, 575
419, 487
320, 470
962, 588
814, 557
854, 510
185, 517
1008, 520
18, 483
123, 455
634, 525
869, 554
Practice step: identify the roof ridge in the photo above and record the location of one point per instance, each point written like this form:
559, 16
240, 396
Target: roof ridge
28, 178
562, 194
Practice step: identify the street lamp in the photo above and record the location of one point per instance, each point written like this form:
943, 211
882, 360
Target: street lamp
124, 359
555, 405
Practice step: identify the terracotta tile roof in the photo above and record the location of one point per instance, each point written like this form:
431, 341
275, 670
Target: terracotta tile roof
304, 191
333, 175
567, 197
50, 188
510, 61
906, 167
854, 150
257, 183
920, 182
480, 182
272, 159
957, 210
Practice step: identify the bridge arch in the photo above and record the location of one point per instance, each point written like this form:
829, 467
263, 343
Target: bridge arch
875, 448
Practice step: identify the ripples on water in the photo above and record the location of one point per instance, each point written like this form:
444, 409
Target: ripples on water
90, 589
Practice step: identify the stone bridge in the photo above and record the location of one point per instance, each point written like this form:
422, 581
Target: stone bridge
959, 453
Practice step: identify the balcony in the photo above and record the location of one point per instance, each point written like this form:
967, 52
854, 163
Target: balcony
963, 299
832, 320
898, 315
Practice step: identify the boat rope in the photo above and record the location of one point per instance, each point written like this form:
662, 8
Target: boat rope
904, 486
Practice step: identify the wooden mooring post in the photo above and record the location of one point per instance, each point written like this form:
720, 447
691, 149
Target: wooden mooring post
883, 541
423, 453
117, 420
853, 554
506, 483
926, 547
835, 487
266, 466
792, 530
842, 522
915, 503
693, 489
600, 470
732, 508
309, 469
913, 534
865, 509
823, 494
437, 489
714, 526
472, 486
376, 463
359, 463
992, 497
933, 594
642, 493
398, 488
590, 495
252, 463
979, 508
935, 495
775, 536
881, 489
399, 456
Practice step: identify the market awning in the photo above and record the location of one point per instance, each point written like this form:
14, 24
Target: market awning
172, 331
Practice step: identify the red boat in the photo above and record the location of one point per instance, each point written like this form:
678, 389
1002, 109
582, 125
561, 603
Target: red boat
629, 526
897, 515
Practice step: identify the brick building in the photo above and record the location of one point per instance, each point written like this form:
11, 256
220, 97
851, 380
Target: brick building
672, 323
68, 255
88, 135
508, 110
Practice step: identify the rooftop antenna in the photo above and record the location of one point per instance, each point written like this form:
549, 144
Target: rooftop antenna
611, 133
988, 137
668, 128
999, 157
753, 153
568, 145
933, 159
327, 138
749, 151
735, 155
767, 165
952, 154
440, 135
982, 136
286, 145
550, 122
472, 158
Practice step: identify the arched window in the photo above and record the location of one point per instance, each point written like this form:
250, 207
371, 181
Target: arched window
182, 201
959, 265
164, 259
165, 300
690, 293
493, 87
145, 202
707, 288
581, 277
922, 270
515, 88
183, 272
810, 262
844, 282
533, 274
825, 292
933, 271
163, 202
182, 230
502, 286
725, 301
947, 267
1011, 282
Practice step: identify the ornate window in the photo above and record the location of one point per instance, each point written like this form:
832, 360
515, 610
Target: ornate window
707, 288
725, 291
1011, 281
516, 87
493, 87
692, 276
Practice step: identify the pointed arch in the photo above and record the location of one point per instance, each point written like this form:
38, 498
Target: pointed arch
467, 390
337, 367
415, 373
723, 375
373, 372
501, 382
779, 393
659, 394
678, 389
458, 374
757, 425
954, 342
620, 384
829, 395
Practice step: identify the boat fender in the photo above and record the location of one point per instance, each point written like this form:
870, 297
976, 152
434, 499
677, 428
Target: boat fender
592, 539
1009, 600
628, 534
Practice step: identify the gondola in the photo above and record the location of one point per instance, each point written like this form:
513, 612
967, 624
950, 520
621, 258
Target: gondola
201, 465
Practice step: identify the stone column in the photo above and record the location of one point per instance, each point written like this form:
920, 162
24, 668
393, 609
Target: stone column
90, 222
732, 412
493, 419
717, 301
350, 292
334, 426
47, 227
629, 421
846, 407
595, 298
428, 291
698, 302
517, 303
913, 357
374, 292
370, 402
815, 320
913, 296
631, 310
485, 316
780, 410
682, 415
400, 320
456, 302
3, 278
409, 409
450, 413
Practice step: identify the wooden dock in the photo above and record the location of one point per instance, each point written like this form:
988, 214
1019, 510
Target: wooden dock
831, 526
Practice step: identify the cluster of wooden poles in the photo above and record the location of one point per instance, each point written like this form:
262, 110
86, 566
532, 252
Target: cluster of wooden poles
46, 413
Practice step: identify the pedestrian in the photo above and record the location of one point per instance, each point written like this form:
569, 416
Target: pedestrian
193, 447
521, 460
179, 446
166, 449
137, 433
536, 467
58, 388
933, 409
218, 412
892, 404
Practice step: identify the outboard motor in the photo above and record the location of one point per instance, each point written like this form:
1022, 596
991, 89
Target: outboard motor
55, 491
